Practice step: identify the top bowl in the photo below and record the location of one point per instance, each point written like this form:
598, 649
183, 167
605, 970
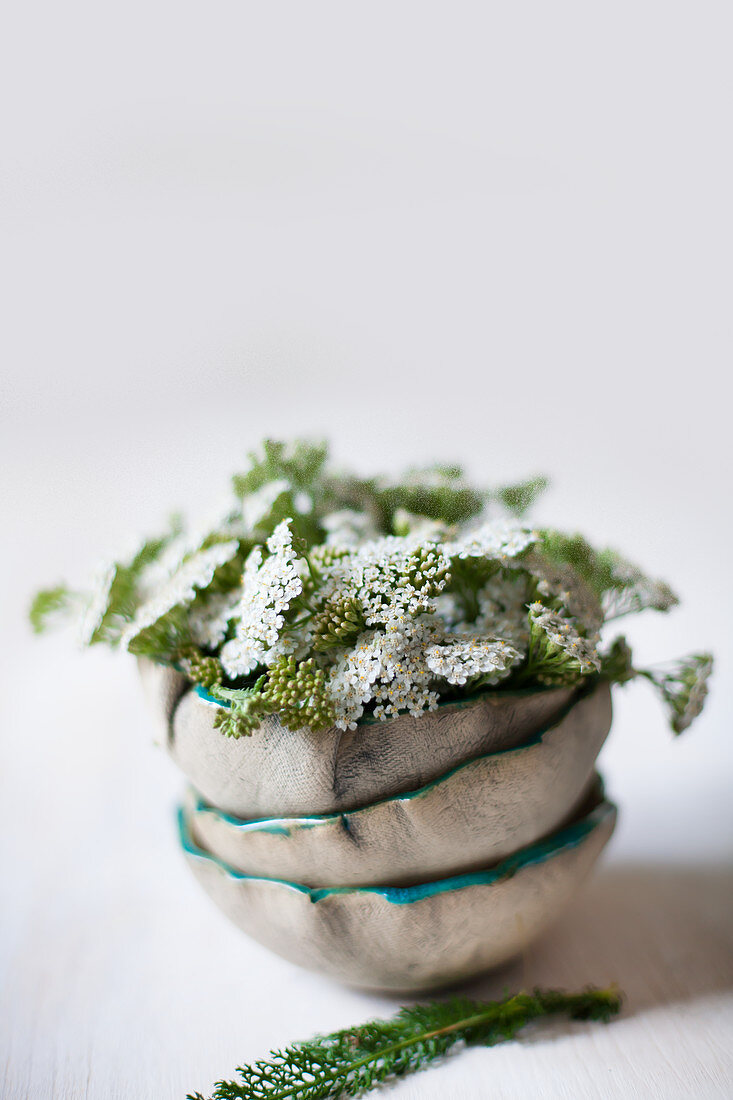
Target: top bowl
280, 772
476, 814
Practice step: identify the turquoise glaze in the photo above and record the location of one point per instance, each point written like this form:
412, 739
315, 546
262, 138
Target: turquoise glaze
203, 694
569, 837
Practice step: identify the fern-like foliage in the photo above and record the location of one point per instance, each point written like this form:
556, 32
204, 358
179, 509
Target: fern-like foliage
350, 1062
519, 498
47, 604
300, 464
621, 586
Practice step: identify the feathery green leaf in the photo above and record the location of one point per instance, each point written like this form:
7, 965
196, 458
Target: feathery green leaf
349, 1062
520, 498
46, 604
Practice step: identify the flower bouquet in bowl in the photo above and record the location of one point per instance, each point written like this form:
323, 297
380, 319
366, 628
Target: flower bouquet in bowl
388, 696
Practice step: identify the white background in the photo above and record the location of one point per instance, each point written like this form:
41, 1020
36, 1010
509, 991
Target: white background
496, 234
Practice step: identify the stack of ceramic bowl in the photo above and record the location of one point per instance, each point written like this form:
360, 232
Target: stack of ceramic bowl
402, 855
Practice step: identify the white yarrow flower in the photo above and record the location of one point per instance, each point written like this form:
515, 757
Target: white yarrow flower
499, 541
465, 659
387, 667
269, 586
562, 633
196, 573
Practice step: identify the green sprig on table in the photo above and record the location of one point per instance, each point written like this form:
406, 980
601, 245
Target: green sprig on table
352, 1061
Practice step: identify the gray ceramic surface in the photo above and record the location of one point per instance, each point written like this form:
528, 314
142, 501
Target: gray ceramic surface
478, 813
411, 938
162, 689
278, 772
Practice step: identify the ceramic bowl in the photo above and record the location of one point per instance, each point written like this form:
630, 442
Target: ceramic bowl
278, 772
478, 813
417, 937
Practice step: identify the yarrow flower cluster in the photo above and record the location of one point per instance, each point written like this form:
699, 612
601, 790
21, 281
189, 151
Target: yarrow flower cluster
325, 598
556, 646
494, 541
269, 585
387, 669
468, 658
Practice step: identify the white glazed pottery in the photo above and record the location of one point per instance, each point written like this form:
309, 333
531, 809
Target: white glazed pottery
418, 937
280, 772
478, 813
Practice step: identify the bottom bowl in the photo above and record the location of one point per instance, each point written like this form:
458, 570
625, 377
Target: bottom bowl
411, 938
